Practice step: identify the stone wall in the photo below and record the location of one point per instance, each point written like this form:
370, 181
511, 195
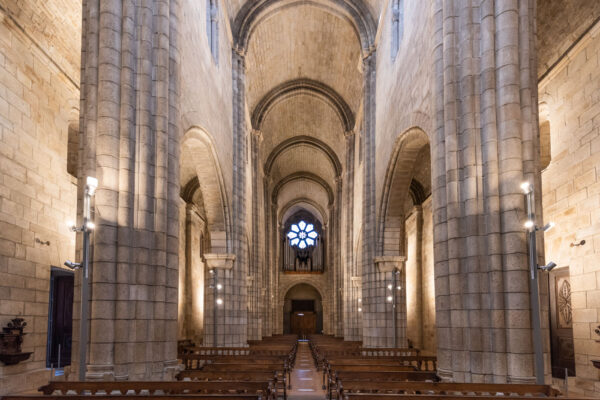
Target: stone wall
39, 99
571, 194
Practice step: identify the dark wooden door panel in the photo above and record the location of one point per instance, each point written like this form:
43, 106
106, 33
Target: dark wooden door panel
561, 324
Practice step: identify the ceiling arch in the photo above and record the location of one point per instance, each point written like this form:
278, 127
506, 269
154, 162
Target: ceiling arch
303, 175
303, 203
303, 86
303, 141
355, 10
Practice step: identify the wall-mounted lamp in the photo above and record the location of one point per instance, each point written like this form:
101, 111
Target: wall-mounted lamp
360, 300
390, 299
390, 286
219, 286
548, 267
359, 309
219, 301
91, 184
577, 244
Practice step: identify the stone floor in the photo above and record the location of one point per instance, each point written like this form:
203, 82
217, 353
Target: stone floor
306, 380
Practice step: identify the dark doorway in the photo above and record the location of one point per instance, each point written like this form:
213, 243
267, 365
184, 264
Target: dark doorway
302, 310
60, 319
561, 324
304, 323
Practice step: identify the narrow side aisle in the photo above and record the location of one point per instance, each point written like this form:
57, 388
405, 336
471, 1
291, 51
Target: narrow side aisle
306, 380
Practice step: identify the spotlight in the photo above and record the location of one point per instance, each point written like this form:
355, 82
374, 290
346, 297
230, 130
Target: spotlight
529, 224
359, 309
390, 298
390, 286
90, 225
548, 226
219, 286
399, 288
360, 300
71, 225
219, 301
72, 265
92, 185
211, 271
526, 187
548, 267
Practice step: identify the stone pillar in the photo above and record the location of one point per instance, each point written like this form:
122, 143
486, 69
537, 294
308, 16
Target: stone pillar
238, 316
194, 276
373, 282
130, 141
413, 273
349, 301
256, 264
484, 145
220, 299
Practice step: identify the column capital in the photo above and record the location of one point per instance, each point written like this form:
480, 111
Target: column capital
356, 281
257, 135
219, 260
350, 134
389, 263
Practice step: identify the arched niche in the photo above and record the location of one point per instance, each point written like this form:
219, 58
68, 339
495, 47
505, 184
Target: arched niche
302, 307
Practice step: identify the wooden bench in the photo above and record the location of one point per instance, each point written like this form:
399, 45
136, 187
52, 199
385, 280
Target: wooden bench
368, 396
142, 397
349, 386
156, 387
279, 381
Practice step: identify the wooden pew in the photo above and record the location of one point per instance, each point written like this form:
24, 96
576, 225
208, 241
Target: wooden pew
387, 390
279, 381
142, 397
349, 386
157, 387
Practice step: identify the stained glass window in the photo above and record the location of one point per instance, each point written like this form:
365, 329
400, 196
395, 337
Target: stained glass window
302, 235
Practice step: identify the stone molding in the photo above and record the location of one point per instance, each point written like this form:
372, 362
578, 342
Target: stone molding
219, 260
389, 263
356, 281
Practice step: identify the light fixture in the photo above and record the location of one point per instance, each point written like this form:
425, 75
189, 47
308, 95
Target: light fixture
529, 224
71, 225
390, 298
548, 226
219, 301
211, 271
360, 300
90, 225
548, 267
359, 309
219, 286
92, 185
526, 187
300, 314
72, 265
390, 286
399, 288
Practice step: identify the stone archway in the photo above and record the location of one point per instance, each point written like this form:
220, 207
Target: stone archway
302, 310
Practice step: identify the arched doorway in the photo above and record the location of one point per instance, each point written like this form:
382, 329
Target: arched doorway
302, 310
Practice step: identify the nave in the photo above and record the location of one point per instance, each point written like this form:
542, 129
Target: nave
284, 367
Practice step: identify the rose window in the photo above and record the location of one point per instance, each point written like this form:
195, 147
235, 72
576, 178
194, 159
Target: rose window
302, 235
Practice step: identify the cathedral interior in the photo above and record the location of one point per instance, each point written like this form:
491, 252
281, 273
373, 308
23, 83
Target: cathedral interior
403, 174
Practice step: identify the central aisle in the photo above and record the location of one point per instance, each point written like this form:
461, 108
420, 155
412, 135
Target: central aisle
306, 380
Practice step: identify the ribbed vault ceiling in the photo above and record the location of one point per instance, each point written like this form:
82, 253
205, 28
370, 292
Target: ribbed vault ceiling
302, 115
304, 41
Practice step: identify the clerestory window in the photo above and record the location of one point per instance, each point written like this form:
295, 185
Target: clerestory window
212, 28
397, 26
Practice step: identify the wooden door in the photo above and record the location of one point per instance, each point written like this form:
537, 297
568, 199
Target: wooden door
61, 320
304, 323
561, 324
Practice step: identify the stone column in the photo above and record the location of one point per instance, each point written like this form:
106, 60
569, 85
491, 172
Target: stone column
349, 300
484, 145
256, 265
130, 141
414, 281
238, 316
373, 282
220, 299
194, 275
